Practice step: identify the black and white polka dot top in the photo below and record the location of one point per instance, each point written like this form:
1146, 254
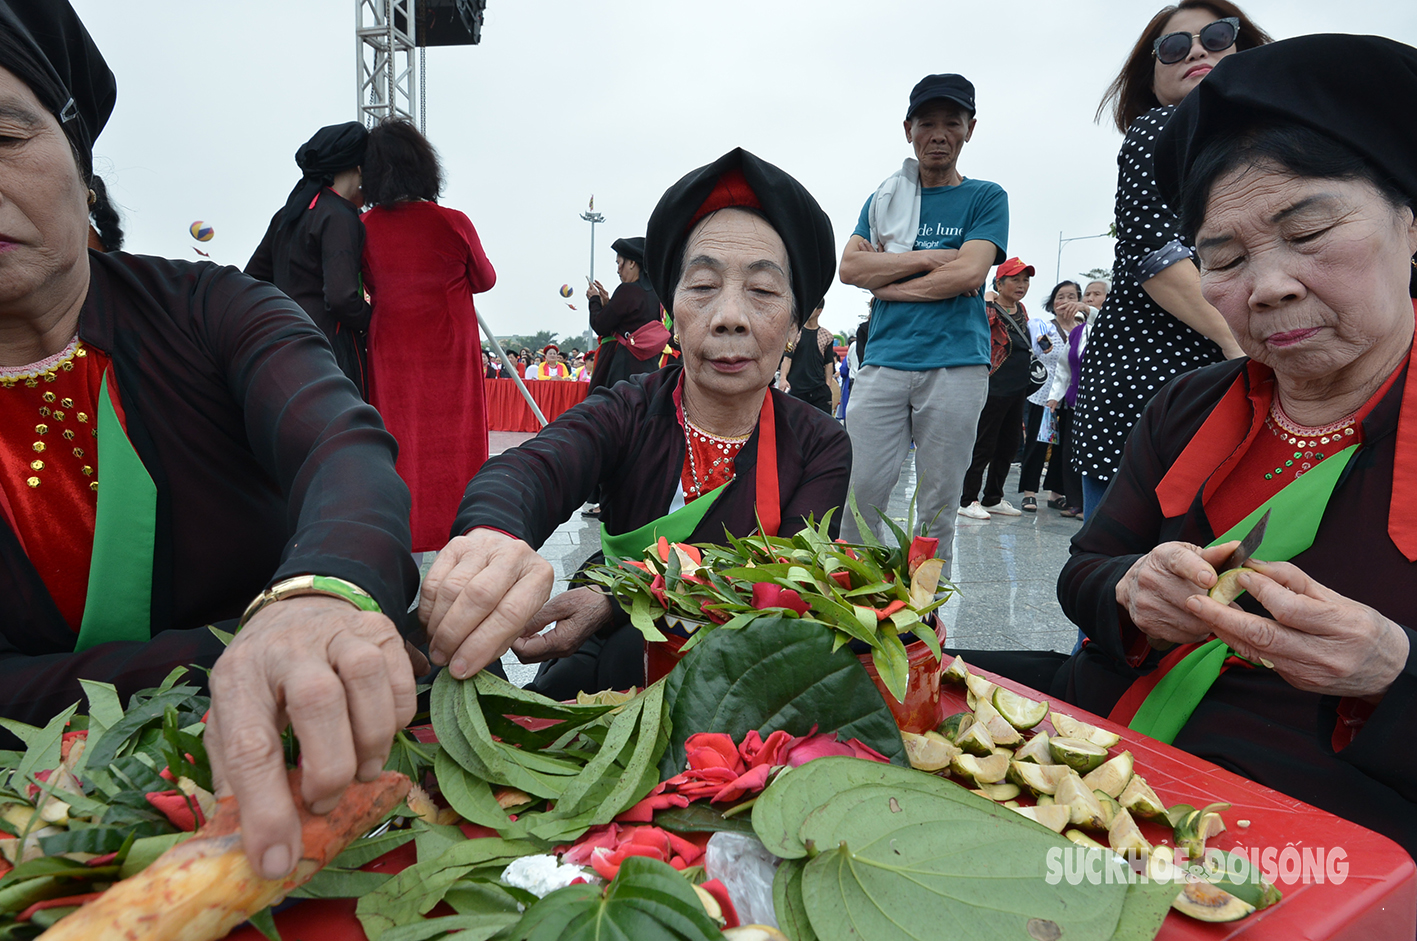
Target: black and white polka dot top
1135, 346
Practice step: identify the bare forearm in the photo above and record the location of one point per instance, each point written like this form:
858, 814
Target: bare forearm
864, 267
946, 281
1177, 290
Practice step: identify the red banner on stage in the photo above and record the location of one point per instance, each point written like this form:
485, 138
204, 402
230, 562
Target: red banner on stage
508, 411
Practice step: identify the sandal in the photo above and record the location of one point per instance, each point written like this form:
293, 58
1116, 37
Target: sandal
1057, 504
1073, 512
1029, 505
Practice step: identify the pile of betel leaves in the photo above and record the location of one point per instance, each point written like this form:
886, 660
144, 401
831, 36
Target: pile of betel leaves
868, 850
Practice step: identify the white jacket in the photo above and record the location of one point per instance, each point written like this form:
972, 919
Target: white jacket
1062, 373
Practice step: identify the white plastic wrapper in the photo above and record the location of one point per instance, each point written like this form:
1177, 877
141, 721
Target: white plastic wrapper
542, 875
746, 868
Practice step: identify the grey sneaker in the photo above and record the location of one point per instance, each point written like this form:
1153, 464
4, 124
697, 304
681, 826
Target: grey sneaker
976, 511
1003, 508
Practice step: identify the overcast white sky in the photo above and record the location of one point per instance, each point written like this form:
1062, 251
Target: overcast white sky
565, 98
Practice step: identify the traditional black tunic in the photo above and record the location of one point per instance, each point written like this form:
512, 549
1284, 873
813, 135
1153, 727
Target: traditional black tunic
1253, 722
266, 466
631, 307
315, 261
628, 441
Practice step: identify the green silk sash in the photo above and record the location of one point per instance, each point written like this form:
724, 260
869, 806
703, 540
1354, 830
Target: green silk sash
119, 601
1297, 511
676, 527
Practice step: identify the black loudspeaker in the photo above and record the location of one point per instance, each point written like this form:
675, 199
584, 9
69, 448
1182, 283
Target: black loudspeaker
449, 22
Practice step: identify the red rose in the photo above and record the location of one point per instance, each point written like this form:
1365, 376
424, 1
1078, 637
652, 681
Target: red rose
712, 750
756, 752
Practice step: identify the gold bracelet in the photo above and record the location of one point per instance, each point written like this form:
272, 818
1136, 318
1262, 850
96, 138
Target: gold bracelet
301, 585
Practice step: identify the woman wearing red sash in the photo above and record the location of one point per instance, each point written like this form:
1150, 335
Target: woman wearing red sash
1298, 190
739, 252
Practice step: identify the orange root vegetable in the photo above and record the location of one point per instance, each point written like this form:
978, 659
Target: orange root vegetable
200, 889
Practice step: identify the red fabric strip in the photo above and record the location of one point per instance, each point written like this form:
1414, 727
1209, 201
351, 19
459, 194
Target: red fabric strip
732, 189
769, 500
1132, 699
1223, 431
1402, 512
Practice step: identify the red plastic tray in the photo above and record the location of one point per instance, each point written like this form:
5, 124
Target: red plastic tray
1376, 901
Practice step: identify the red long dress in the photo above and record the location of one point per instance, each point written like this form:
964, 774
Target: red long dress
422, 264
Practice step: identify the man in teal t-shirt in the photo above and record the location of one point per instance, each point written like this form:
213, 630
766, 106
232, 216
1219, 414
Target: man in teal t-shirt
926, 371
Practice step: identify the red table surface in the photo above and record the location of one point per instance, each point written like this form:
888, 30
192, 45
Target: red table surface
508, 411
1377, 900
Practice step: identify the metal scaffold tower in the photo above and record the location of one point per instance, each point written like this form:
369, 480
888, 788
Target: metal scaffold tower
384, 36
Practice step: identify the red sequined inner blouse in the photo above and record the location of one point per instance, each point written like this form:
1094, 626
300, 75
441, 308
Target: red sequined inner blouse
49, 467
708, 458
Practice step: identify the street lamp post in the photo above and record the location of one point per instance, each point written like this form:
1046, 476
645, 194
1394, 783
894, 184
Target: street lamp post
591, 216
1058, 273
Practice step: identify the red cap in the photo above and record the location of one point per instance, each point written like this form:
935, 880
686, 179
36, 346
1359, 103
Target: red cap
1012, 267
550, 346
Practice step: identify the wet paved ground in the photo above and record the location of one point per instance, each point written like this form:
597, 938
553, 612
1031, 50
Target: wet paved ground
1006, 570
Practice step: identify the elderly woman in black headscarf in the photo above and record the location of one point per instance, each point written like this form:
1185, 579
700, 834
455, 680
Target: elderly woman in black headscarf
739, 252
177, 446
632, 336
315, 242
1298, 189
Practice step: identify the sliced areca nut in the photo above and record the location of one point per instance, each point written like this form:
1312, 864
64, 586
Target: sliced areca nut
1011, 805
1035, 750
928, 754
1068, 727
1044, 800
1111, 776
1082, 839
980, 687
999, 792
978, 770
1125, 836
1036, 778
1077, 754
1177, 812
1236, 875
1141, 800
1054, 817
955, 724
753, 933
1000, 729
1086, 811
956, 672
1109, 805
1227, 586
1206, 902
710, 904
976, 740
1020, 711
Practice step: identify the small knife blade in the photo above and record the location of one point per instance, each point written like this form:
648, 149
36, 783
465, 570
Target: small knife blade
1247, 546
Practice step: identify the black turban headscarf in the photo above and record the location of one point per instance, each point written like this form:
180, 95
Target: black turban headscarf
739, 179
633, 249
44, 44
334, 149
1361, 91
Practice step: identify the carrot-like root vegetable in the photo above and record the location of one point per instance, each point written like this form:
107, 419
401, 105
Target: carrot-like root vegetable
202, 888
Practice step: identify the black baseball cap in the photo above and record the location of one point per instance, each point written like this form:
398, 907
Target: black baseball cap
954, 87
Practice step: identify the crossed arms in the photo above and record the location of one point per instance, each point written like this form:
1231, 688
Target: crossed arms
945, 272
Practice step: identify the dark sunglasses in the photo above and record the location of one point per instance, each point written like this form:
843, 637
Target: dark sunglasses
1216, 37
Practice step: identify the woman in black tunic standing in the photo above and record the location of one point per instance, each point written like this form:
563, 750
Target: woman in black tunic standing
314, 244
627, 348
1155, 325
805, 366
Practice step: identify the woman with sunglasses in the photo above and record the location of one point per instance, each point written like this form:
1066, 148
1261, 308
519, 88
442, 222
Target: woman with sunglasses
1155, 325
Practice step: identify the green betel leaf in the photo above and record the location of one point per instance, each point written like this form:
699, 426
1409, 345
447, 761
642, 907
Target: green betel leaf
787, 901
779, 673
648, 901
892, 663
899, 857
702, 817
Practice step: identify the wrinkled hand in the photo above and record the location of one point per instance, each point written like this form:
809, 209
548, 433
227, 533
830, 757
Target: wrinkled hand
1157, 587
1318, 640
578, 613
478, 596
599, 289
1052, 405
341, 677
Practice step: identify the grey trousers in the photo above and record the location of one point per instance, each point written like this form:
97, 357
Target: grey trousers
939, 410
